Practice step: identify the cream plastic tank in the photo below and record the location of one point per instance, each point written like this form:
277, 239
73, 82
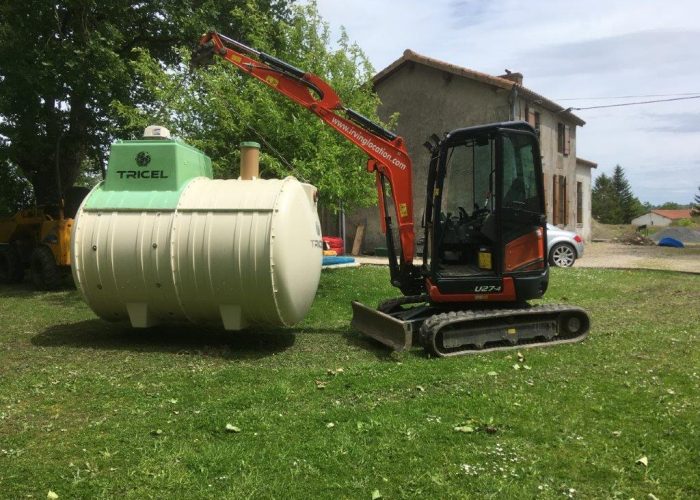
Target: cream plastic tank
160, 241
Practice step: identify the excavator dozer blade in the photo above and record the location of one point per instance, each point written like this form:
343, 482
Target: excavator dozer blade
392, 332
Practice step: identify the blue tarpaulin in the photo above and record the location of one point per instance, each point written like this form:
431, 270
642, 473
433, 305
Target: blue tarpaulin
670, 242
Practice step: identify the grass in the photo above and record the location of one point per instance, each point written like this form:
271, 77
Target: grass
95, 410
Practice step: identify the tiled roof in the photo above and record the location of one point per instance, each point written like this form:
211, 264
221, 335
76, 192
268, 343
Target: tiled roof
478, 76
674, 214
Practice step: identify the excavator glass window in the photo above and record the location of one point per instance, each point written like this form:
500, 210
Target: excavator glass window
468, 182
467, 203
519, 180
521, 205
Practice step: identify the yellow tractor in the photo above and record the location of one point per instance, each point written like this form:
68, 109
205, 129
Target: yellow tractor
38, 239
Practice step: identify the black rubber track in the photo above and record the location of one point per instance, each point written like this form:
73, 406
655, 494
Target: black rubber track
430, 329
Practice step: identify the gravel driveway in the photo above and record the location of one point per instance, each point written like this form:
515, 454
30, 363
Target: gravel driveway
641, 257
620, 256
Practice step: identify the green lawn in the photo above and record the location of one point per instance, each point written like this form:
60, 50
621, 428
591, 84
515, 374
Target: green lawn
95, 410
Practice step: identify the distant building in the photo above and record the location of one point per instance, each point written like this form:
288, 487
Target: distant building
435, 97
661, 217
583, 197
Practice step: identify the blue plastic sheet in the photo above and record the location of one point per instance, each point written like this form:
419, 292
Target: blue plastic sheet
670, 242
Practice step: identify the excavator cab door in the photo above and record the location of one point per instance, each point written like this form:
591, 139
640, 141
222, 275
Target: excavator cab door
521, 202
485, 213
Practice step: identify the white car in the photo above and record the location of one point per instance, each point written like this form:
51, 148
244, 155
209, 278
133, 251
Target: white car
563, 247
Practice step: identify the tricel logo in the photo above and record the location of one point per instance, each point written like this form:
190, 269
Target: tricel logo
143, 158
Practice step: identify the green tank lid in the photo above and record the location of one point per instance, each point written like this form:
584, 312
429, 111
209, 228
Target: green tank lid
148, 174
250, 144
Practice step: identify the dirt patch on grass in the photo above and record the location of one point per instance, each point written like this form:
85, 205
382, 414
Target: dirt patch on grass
609, 231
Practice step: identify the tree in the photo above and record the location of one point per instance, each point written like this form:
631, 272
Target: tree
15, 191
63, 63
695, 207
630, 206
216, 108
605, 203
613, 201
670, 205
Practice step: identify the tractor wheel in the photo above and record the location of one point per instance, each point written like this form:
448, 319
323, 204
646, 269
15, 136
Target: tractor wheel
45, 273
11, 268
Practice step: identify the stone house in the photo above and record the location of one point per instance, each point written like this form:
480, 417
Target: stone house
435, 97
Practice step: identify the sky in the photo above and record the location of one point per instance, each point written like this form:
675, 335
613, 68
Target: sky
597, 50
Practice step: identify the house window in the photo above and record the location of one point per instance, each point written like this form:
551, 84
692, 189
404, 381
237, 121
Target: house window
559, 211
579, 203
563, 139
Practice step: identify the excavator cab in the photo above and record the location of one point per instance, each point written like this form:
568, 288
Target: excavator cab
485, 218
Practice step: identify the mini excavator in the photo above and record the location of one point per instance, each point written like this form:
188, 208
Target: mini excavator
484, 242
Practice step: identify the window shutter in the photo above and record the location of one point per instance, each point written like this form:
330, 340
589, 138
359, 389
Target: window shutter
531, 119
555, 199
567, 139
579, 203
562, 200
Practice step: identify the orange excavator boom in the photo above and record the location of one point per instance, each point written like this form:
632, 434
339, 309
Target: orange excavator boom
388, 157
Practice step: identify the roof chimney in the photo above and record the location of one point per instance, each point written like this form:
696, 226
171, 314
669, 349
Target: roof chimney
513, 77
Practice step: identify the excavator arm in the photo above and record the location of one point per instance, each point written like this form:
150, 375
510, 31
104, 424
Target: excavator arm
388, 158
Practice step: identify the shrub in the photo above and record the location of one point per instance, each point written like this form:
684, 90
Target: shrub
682, 223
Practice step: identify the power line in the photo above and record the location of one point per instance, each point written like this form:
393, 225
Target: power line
632, 103
625, 96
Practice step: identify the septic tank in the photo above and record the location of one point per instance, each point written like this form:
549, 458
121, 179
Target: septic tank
161, 241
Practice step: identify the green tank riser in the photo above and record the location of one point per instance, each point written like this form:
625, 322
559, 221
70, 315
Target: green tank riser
148, 175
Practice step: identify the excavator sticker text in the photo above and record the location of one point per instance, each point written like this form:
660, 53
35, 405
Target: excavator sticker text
367, 142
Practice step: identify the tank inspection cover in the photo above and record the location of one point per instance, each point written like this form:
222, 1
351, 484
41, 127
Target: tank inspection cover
167, 243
